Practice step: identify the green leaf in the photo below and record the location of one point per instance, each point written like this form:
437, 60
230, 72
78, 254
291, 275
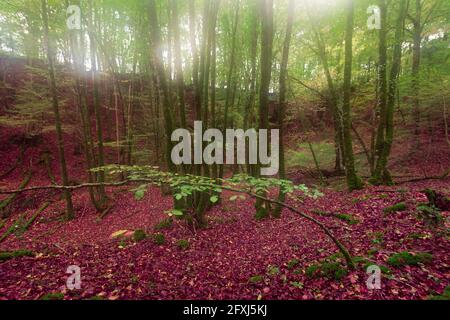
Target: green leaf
174, 212
233, 198
214, 199
139, 194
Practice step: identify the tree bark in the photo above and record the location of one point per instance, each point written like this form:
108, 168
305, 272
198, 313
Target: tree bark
59, 134
282, 100
353, 181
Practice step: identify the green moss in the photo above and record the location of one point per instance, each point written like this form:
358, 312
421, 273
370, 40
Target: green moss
139, 235
134, 279
406, 258
430, 214
256, 279
417, 236
444, 296
372, 251
330, 270
292, 263
401, 206
347, 218
320, 212
358, 260
297, 271
378, 237
272, 270
297, 284
53, 296
6, 255
159, 239
261, 213
96, 298
164, 224
182, 244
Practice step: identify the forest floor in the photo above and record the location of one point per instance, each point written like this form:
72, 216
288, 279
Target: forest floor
235, 257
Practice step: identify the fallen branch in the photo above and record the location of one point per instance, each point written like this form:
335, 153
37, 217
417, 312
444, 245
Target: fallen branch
15, 164
6, 202
35, 215
438, 177
338, 244
73, 187
11, 228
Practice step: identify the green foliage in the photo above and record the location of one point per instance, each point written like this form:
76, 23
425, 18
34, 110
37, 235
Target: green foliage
401, 206
159, 239
302, 156
185, 185
235, 197
297, 284
183, 244
164, 224
256, 279
444, 296
174, 212
214, 199
272, 270
330, 270
139, 235
347, 218
378, 237
6, 255
53, 296
406, 258
292, 263
430, 214
139, 192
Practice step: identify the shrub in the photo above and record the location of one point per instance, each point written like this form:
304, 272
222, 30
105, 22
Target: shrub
182, 244
139, 235
429, 214
406, 258
159, 238
164, 224
292, 263
401, 206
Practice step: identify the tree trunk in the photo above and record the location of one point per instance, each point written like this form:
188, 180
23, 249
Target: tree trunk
282, 99
55, 104
267, 32
353, 181
162, 78
381, 174
178, 63
415, 84
97, 111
